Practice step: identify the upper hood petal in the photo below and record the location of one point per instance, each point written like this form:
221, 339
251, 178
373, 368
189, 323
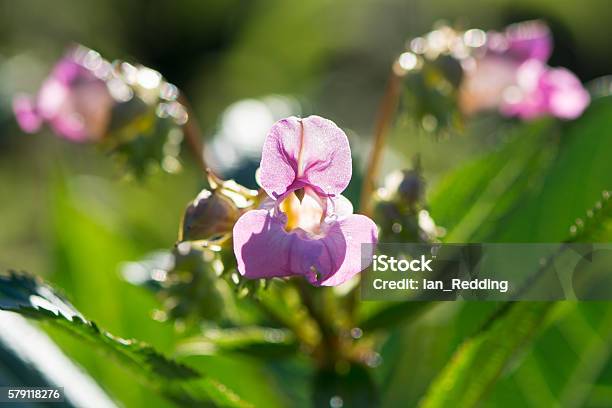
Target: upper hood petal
311, 151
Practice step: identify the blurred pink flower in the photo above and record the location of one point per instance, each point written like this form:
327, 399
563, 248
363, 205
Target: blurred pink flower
72, 100
541, 90
511, 75
522, 41
305, 228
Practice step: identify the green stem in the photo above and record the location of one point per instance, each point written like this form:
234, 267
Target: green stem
329, 349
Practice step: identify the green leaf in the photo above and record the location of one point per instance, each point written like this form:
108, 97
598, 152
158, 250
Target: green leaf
470, 200
582, 335
596, 226
393, 314
24, 294
481, 359
490, 351
416, 353
253, 341
581, 171
530, 190
349, 386
534, 187
186, 282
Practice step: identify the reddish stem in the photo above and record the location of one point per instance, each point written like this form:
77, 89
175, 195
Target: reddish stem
193, 135
386, 113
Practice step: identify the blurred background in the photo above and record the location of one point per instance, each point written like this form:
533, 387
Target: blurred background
67, 214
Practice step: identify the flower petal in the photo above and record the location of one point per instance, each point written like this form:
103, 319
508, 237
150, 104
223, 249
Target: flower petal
278, 168
529, 39
313, 151
52, 98
93, 102
542, 90
344, 243
25, 113
526, 99
264, 249
340, 207
305, 213
483, 85
327, 162
79, 110
69, 125
67, 70
567, 98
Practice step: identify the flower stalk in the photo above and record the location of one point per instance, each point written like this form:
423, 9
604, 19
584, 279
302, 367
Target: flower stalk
193, 136
385, 115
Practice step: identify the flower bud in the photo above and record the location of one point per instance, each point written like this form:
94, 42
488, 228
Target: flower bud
412, 187
407, 187
212, 215
209, 217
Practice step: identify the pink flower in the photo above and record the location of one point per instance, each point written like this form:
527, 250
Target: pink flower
541, 90
72, 100
305, 228
511, 75
484, 83
522, 41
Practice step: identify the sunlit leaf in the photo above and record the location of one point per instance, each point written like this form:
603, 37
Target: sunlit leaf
252, 341
479, 362
393, 314
468, 201
534, 187
24, 294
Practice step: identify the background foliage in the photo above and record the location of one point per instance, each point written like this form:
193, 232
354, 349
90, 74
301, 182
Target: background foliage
67, 215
